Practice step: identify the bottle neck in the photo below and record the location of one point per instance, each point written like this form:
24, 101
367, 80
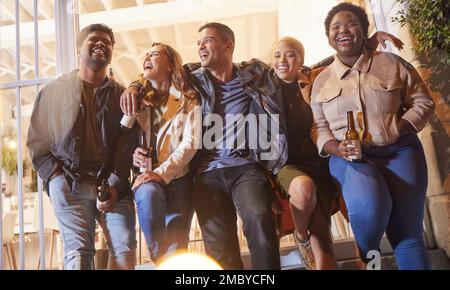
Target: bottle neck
350, 121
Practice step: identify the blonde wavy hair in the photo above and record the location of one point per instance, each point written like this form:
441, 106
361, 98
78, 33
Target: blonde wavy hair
178, 78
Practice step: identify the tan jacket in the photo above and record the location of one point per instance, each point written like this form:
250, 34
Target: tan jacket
380, 89
178, 137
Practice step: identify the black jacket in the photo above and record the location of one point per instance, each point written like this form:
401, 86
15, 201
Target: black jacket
265, 92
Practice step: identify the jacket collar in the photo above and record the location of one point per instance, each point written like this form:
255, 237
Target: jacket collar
244, 75
362, 64
173, 107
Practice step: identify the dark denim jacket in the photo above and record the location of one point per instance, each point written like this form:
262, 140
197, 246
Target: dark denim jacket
55, 136
265, 92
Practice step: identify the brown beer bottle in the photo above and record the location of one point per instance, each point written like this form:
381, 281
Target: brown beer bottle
353, 136
146, 147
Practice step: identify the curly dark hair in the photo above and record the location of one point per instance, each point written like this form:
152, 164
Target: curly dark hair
355, 10
100, 27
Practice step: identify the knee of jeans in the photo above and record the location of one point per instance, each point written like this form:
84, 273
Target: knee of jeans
407, 244
149, 192
124, 244
257, 215
78, 259
124, 250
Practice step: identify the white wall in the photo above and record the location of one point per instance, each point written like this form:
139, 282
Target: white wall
303, 19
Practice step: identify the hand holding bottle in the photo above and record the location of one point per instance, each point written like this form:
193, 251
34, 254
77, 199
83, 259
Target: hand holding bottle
140, 157
109, 204
352, 141
341, 149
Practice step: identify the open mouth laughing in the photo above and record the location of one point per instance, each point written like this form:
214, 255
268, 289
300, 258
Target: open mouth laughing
203, 55
283, 68
147, 65
99, 52
344, 40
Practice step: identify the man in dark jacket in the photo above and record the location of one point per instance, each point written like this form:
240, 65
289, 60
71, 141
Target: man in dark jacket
231, 179
73, 140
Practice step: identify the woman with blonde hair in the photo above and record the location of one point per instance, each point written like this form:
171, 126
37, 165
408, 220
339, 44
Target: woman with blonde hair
164, 140
305, 177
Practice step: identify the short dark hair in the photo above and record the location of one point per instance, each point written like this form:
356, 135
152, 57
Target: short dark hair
356, 10
225, 32
96, 27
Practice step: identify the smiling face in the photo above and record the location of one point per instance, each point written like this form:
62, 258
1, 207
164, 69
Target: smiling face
213, 50
287, 60
346, 34
157, 64
96, 49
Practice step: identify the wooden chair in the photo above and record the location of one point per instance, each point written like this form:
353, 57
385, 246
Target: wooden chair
50, 223
9, 221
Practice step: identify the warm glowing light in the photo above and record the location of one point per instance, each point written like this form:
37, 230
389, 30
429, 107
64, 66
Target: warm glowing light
188, 261
12, 144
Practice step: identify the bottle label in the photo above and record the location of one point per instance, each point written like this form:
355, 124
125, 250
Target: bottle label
357, 145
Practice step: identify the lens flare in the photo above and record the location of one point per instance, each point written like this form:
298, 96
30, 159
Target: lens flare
188, 261
12, 144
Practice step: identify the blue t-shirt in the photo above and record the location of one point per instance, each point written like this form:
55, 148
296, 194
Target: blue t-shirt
232, 104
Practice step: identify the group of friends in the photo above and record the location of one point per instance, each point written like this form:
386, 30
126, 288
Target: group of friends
76, 141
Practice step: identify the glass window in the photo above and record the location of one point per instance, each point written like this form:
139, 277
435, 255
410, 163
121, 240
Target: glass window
27, 89
47, 44
8, 44
27, 37
8, 144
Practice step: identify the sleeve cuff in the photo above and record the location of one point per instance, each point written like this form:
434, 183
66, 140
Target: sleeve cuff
49, 167
321, 143
165, 177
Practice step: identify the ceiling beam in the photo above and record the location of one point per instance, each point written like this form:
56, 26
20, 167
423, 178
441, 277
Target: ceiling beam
8, 11
126, 39
122, 77
147, 16
27, 6
107, 4
45, 9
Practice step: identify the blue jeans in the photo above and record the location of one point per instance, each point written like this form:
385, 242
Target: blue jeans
76, 215
165, 214
386, 192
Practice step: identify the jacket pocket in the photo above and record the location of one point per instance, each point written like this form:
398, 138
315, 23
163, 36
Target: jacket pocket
328, 98
387, 95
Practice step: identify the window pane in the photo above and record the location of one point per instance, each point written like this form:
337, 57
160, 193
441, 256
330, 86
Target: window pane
8, 142
8, 44
27, 71
47, 45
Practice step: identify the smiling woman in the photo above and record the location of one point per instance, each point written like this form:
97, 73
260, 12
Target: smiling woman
393, 104
347, 32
